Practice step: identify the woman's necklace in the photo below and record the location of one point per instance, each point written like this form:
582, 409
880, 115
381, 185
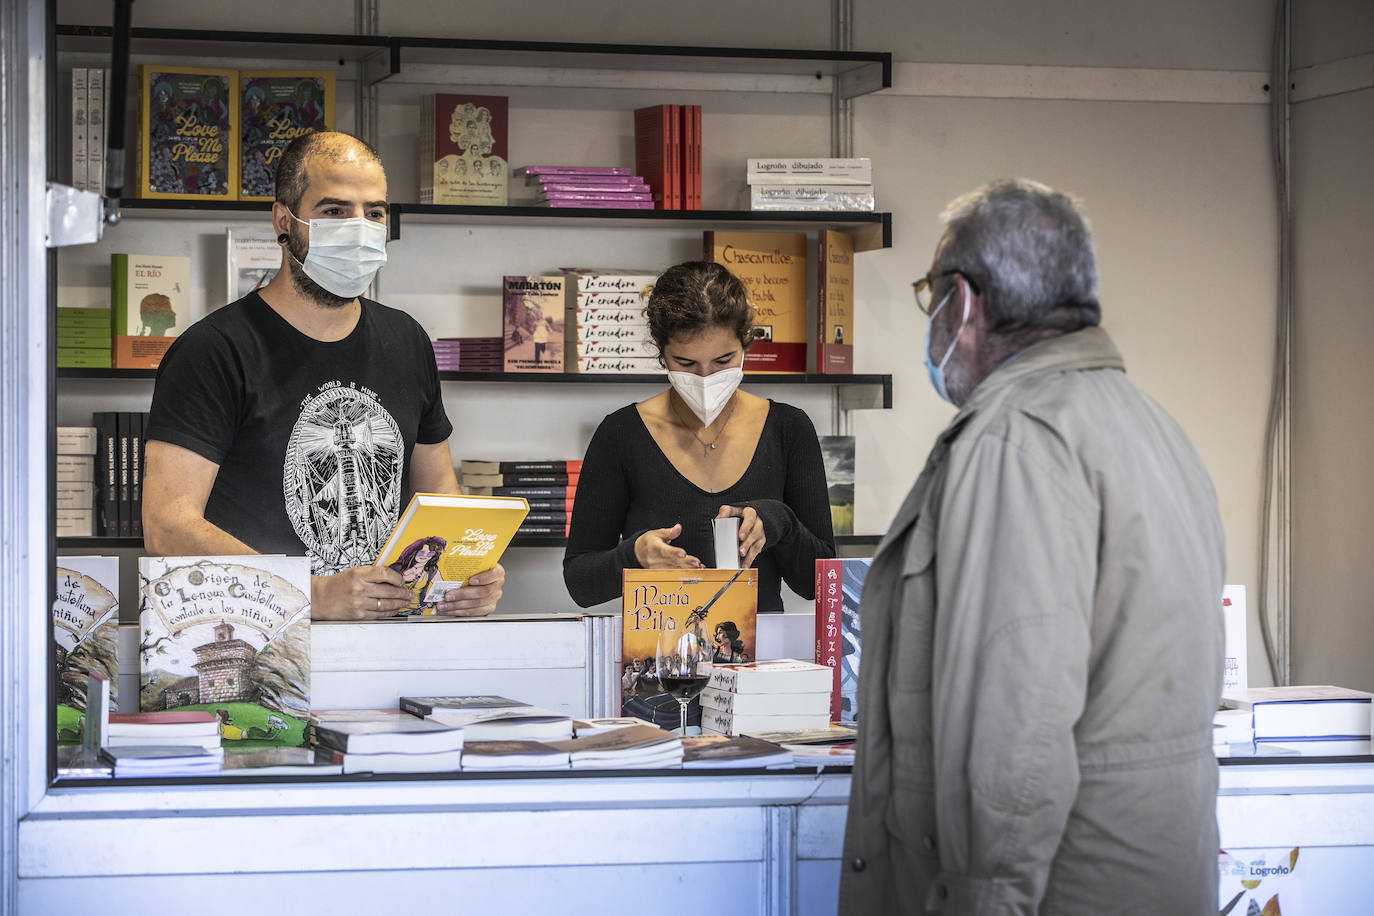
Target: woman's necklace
708, 447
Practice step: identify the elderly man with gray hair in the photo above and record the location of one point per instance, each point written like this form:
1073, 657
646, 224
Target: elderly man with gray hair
1042, 623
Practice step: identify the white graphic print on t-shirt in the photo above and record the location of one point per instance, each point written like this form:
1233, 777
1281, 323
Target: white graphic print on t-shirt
342, 476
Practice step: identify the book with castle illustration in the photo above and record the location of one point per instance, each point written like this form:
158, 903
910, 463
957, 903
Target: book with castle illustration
85, 617
230, 636
532, 322
276, 107
150, 304
463, 153
772, 267
441, 540
662, 599
187, 138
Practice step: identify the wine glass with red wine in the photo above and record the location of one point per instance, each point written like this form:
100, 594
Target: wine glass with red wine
683, 657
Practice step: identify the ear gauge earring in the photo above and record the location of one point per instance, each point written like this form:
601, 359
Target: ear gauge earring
282, 238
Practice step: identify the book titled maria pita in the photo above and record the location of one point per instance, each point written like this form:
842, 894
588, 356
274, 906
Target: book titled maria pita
229, 635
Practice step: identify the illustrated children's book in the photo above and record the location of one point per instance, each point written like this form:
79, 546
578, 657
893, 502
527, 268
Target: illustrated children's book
772, 267
276, 107
85, 617
441, 540
463, 153
839, 584
188, 129
532, 321
661, 599
231, 636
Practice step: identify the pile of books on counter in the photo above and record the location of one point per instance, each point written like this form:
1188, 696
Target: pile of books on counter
767, 696
166, 743
548, 486
606, 329
595, 187
809, 184
469, 354
1311, 721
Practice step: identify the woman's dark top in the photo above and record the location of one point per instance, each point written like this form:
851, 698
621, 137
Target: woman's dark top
628, 486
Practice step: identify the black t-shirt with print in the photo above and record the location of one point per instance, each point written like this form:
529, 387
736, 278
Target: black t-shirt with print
313, 439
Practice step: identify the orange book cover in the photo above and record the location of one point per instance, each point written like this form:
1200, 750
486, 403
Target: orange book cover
441, 540
660, 599
772, 266
835, 303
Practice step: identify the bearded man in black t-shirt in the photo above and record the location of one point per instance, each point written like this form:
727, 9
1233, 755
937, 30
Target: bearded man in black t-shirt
299, 419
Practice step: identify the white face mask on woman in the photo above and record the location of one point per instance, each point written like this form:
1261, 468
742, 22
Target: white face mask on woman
344, 254
706, 395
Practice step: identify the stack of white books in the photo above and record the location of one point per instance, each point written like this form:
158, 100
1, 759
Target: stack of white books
491, 718
635, 747
158, 760
767, 696
1321, 720
809, 183
1232, 726
389, 745
605, 328
75, 481
167, 728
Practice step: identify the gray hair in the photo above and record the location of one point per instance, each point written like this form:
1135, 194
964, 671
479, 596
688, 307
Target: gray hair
1029, 250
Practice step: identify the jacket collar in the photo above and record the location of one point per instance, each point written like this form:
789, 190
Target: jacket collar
1089, 348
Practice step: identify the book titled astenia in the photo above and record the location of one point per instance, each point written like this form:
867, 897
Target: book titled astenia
442, 540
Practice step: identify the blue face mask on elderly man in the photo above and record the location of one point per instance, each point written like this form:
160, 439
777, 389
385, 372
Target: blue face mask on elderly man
936, 371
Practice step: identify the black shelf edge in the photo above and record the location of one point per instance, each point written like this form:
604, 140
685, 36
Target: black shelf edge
210, 35
209, 205
67, 372
529, 540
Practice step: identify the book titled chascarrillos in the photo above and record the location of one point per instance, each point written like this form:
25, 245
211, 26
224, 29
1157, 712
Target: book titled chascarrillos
188, 130
276, 107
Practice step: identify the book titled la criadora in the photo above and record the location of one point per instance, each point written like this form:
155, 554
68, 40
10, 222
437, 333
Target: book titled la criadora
442, 540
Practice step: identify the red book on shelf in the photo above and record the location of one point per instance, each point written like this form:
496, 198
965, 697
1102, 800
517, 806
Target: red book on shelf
696, 157
652, 151
674, 157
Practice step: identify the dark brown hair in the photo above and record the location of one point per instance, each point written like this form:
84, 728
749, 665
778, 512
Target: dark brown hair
696, 295
329, 144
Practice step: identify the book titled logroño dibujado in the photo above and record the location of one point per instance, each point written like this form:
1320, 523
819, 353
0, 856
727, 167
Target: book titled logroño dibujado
809, 170
442, 540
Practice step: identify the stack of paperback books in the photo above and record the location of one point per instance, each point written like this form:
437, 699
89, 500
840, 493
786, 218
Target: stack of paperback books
809, 184
606, 329
168, 728
385, 743
1322, 721
769, 696
596, 187
83, 338
117, 473
159, 760
548, 486
718, 752
76, 446
469, 354
491, 718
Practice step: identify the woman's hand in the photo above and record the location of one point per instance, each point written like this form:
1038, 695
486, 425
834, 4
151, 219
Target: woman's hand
751, 536
653, 550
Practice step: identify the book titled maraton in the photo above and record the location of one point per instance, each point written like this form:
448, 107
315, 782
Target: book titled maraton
442, 540
230, 636
532, 320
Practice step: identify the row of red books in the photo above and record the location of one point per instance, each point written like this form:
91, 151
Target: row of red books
668, 154
549, 486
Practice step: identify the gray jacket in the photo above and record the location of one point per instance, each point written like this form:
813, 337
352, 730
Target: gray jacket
1042, 658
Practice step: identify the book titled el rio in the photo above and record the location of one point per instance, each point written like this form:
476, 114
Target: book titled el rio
442, 540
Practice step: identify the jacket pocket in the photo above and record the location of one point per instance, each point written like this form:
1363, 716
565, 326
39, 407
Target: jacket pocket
914, 627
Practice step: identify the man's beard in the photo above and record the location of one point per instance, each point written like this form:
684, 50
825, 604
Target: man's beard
303, 284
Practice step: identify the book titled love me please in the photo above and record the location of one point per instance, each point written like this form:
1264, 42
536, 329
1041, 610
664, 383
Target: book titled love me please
442, 540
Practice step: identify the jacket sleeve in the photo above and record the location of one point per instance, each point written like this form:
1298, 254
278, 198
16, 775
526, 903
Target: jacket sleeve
1015, 569
797, 527
596, 556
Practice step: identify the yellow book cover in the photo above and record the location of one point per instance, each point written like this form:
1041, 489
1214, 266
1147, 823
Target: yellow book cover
188, 121
276, 107
772, 266
661, 599
442, 540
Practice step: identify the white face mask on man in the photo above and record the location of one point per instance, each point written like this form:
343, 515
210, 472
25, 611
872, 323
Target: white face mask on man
706, 395
344, 254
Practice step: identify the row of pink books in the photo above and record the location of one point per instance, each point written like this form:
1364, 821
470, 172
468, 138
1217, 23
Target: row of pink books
594, 187
469, 354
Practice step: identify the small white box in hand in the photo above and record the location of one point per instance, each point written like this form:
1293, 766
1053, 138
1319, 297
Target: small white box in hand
726, 534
